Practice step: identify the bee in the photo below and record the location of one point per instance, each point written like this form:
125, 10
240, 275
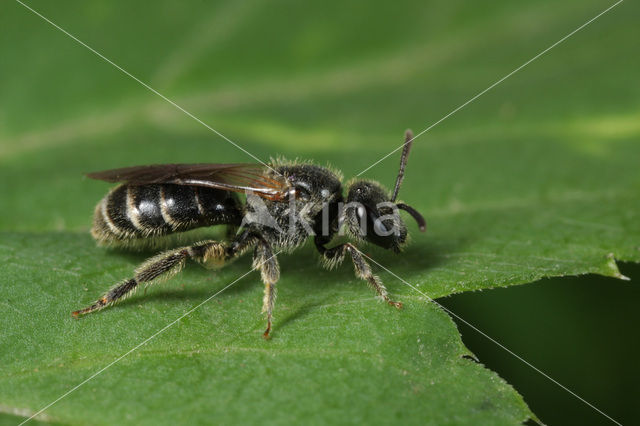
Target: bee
285, 204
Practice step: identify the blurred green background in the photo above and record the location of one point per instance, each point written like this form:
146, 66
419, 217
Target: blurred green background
567, 329
338, 82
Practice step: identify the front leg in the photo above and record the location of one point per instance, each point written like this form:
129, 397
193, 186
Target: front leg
266, 262
334, 256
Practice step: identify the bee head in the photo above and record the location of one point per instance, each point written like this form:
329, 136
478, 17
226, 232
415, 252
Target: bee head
373, 215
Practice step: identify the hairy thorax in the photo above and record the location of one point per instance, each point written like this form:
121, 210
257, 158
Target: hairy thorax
288, 223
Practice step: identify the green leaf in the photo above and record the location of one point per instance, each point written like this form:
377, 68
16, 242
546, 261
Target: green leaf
536, 178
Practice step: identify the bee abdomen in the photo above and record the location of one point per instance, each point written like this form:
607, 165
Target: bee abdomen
132, 212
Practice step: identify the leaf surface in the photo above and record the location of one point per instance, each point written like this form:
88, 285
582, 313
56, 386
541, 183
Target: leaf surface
537, 178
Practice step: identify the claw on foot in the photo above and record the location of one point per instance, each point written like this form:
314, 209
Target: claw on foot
101, 303
266, 335
396, 304
77, 314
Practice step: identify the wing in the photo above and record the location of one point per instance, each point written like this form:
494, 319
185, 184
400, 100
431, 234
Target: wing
240, 177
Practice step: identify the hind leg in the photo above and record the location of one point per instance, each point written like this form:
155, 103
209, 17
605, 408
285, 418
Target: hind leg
167, 264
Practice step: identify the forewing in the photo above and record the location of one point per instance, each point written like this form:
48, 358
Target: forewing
240, 177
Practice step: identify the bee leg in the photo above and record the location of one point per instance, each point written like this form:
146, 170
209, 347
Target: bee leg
334, 256
266, 262
163, 266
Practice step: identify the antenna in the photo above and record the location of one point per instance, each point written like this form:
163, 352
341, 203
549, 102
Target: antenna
408, 139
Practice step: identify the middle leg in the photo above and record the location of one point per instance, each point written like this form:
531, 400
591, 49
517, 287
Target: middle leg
265, 260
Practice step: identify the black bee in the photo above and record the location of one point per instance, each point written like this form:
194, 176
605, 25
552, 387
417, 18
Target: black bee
286, 203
